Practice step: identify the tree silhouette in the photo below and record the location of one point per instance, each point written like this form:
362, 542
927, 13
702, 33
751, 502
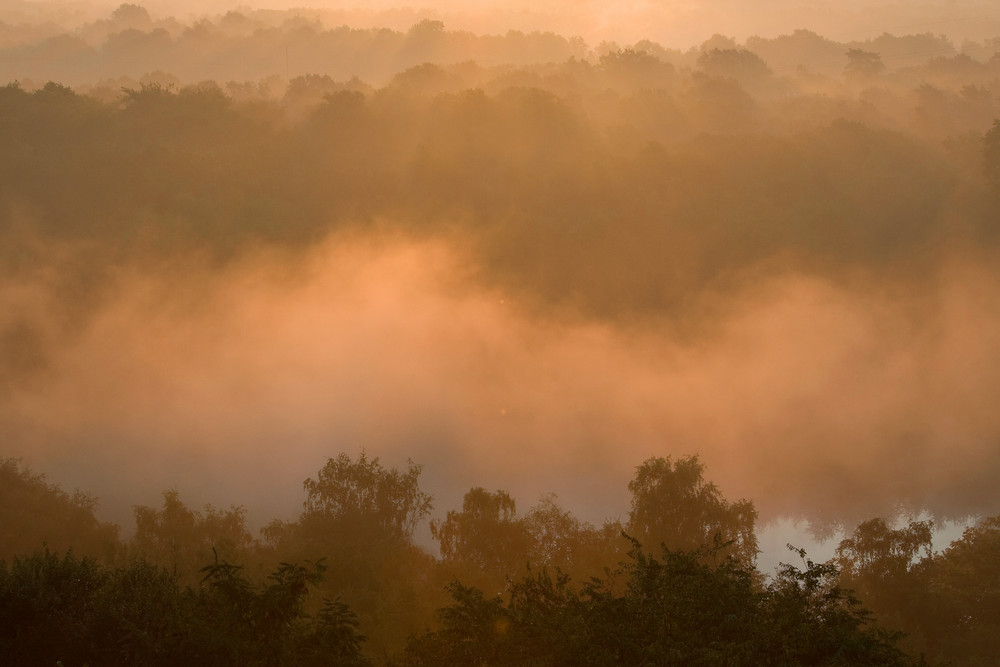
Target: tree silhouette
34, 512
69, 610
740, 64
364, 493
673, 505
486, 536
182, 540
359, 516
863, 64
955, 612
674, 609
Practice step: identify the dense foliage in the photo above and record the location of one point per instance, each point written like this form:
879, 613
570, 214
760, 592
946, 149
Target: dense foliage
674, 609
34, 512
542, 588
619, 187
63, 609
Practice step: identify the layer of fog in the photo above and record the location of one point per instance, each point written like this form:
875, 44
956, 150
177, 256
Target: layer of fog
821, 401
676, 24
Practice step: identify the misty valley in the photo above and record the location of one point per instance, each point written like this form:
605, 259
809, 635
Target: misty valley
693, 303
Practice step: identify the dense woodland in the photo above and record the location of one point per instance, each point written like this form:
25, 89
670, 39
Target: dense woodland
616, 185
623, 188
675, 582
636, 185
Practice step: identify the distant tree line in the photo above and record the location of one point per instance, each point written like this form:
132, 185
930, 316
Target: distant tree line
249, 44
345, 583
619, 190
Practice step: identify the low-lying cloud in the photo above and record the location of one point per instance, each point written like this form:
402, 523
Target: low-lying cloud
830, 401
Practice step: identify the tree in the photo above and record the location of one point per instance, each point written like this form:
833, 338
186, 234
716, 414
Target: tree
131, 16
363, 494
359, 516
959, 615
863, 64
182, 540
674, 506
555, 534
46, 603
877, 562
68, 610
560, 541
813, 620
675, 608
744, 66
238, 622
34, 513
631, 68
486, 542
424, 41
877, 552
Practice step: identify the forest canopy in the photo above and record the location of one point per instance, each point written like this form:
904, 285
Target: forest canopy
540, 587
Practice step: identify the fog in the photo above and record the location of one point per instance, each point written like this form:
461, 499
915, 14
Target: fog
818, 400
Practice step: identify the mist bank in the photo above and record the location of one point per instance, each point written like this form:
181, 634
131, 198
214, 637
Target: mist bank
816, 400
